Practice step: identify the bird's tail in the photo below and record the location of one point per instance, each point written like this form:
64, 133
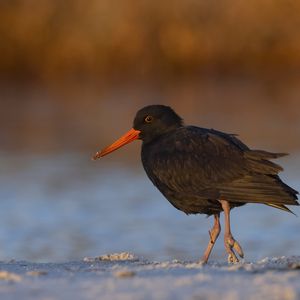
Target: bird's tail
258, 188
281, 206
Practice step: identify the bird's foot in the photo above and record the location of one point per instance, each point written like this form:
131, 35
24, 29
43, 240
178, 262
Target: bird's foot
232, 246
202, 262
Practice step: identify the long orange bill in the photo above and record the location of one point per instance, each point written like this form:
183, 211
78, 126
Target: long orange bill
128, 137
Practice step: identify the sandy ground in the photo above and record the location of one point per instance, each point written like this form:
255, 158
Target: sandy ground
125, 276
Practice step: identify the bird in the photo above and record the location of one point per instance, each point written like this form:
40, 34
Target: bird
205, 171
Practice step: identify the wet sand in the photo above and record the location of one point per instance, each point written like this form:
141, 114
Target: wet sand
126, 276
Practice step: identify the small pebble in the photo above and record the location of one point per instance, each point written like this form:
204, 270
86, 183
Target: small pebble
124, 274
36, 273
4, 275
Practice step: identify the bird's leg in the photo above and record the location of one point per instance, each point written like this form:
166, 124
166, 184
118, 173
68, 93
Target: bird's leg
230, 243
213, 234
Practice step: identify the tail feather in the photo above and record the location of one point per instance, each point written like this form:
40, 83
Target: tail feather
261, 154
282, 207
262, 183
260, 189
258, 161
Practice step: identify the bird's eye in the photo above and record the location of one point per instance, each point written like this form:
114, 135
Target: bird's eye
148, 119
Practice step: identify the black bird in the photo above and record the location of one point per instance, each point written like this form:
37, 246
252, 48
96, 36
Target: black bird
205, 171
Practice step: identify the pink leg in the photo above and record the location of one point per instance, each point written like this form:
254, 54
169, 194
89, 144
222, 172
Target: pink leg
213, 233
230, 243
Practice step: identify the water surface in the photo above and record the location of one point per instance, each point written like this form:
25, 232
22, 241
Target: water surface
65, 207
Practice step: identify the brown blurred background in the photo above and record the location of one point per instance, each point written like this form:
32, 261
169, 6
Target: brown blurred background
74, 72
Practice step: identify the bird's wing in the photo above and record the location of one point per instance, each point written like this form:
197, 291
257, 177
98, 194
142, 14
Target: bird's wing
213, 164
196, 160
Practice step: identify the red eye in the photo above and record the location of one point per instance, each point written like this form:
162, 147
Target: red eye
148, 119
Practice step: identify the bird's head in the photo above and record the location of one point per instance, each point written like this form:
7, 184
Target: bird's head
149, 123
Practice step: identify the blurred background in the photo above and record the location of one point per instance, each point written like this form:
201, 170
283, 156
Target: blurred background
72, 75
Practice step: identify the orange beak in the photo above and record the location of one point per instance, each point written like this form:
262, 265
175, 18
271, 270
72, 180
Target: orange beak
128, 137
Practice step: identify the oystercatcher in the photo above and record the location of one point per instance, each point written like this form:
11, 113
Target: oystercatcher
205, 171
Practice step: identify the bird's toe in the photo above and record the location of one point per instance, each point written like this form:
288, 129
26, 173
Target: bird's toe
237, 247
232, 259
232, 246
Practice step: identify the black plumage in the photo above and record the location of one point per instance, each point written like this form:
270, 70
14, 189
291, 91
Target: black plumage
193, 167
203, 170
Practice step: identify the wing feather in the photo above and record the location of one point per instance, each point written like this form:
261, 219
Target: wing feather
212, 164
